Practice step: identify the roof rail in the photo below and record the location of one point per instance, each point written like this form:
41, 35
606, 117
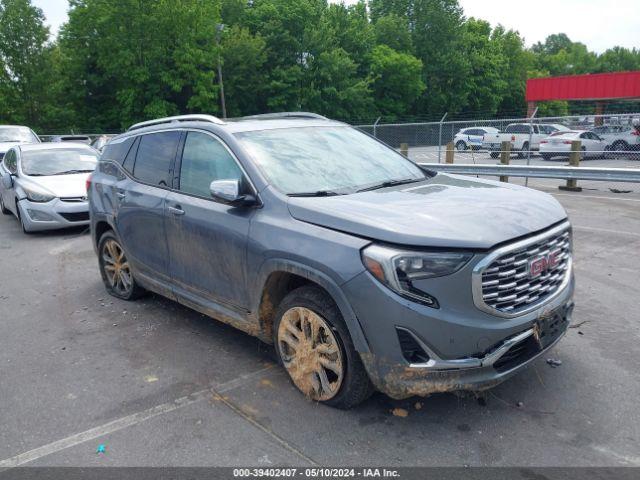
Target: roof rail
179, 118
271, 116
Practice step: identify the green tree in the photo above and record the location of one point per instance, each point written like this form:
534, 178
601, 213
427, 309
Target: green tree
244, 56
25, 62
392, 30
397, 81
128, 60
619, 59
335, 89
485, 84
518, 61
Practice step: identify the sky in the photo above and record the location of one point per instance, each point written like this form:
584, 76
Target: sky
600, 24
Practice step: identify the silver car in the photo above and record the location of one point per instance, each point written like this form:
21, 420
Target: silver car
11, 135
44, 185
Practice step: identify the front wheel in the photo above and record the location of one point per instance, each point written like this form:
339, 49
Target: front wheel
116, 270
3, 209
461, 146
494, 154
314, 346
546, 156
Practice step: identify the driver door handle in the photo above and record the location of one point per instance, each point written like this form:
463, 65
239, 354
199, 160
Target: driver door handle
176, 210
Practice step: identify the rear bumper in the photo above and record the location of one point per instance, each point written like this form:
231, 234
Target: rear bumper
53, 215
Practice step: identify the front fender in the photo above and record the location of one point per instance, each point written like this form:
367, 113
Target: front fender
281, 265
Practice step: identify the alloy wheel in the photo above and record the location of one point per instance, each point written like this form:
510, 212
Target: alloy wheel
116, 267
310, 353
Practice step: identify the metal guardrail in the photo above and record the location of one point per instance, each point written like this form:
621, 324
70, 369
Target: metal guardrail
631, 175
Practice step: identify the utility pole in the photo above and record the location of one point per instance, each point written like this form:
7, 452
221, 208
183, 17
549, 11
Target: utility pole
219, 29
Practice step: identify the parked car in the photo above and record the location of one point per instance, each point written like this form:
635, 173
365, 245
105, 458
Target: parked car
44, 185
364, 270
522, 136
71, 138
11, 135
100, 142
471, 137
618, 138
559, 144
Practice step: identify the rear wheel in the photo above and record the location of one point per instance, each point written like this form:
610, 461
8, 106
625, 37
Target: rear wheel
494, 154
115, 269
314, 346
546, 156
461, 146
525, 149
619, 146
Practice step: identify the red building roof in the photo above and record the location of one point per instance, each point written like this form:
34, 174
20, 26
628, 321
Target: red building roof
599, 86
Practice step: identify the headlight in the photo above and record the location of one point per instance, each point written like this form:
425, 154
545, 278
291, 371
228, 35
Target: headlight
399, 269
38, 196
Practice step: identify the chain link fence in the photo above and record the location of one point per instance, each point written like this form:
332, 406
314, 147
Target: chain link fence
605, 141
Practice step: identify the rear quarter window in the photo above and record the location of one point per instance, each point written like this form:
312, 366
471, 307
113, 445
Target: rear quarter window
117, 150
155, 156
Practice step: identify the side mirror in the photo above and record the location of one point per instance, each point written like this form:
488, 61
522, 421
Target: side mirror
7, 180
228, 191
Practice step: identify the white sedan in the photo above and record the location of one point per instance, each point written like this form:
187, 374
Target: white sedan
44, 184
471, 137
559, 144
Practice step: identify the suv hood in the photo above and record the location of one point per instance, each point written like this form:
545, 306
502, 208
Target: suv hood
445, 211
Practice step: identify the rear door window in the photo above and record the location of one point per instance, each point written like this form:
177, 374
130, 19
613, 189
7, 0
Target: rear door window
205, 159
155, 156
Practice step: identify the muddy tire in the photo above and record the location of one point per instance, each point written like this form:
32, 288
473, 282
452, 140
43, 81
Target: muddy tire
115, 269
325, 367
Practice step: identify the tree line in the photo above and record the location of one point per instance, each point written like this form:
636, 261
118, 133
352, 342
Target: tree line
116, 62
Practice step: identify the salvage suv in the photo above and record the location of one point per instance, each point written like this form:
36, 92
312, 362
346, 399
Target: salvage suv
363, 269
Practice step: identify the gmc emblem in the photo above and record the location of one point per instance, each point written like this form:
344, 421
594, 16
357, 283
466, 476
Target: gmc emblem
539, 265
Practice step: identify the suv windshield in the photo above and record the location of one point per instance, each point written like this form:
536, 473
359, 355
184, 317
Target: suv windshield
59, 161
17, 134
326, 160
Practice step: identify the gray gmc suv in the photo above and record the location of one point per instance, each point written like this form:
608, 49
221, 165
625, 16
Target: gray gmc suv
363, 269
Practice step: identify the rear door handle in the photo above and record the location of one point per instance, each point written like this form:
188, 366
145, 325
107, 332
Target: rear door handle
120, 194
176, 210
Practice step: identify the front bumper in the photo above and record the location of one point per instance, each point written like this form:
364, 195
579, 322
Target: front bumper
466, 374
467, 349
53, 215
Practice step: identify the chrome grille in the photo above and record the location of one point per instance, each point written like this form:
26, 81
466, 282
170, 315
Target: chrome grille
506, 285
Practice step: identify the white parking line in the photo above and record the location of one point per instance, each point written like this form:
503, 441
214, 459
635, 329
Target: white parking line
69, 245
127, 421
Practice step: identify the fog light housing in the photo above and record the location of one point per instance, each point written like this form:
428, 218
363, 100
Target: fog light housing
39, 216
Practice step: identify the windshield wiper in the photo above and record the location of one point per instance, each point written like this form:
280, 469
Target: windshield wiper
390, 183
319, 193
69, 172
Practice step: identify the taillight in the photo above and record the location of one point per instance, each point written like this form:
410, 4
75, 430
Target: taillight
543, 141
513, 138
636, 133
88, 183
568, 142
